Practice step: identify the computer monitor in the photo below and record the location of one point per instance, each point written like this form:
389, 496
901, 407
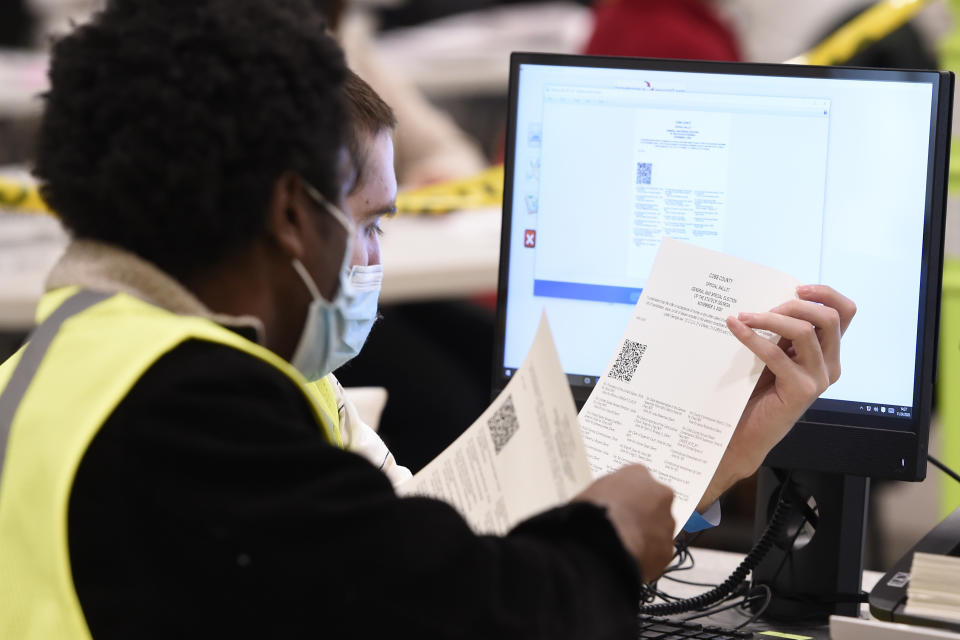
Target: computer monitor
834, 175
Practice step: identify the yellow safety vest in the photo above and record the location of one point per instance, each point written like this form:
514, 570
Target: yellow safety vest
93, 359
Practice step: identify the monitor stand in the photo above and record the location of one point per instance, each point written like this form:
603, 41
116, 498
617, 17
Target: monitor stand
815, 566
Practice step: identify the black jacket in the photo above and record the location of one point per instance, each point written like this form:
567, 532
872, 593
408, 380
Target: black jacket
209, 505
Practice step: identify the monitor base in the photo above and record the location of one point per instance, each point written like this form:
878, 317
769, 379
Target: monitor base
815, 566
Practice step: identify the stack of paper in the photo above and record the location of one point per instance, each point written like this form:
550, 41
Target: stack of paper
933, 591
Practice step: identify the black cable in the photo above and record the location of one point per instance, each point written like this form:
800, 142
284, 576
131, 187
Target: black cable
792, 542
739, 575
682, 557
683, 560
745, 597
743, 593
947, 470
681, 554
710, 612
768, 597
691, 583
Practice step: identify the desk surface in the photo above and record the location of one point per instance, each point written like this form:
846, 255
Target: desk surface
713, 567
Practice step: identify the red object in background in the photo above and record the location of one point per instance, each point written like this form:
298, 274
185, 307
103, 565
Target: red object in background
684, 29
530, 238
681, 29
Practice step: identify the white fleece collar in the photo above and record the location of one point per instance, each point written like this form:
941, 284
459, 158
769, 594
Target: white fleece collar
91, 264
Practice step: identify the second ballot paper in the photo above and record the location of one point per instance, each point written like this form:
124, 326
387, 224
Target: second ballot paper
523, 455
679, 381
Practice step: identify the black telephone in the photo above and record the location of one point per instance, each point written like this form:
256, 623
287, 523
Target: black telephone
889, 596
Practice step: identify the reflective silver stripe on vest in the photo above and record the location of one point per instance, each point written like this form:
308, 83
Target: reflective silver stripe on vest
36, 349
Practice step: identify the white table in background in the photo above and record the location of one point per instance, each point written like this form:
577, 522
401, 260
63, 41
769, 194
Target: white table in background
425, 258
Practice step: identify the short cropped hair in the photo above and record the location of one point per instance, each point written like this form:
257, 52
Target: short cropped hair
369, 115
168, 123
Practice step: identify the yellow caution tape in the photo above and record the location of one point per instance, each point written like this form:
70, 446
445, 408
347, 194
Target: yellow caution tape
480, 191
873, 24
21, 197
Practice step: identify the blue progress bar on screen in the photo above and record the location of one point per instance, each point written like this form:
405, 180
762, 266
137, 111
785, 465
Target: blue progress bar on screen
581, 291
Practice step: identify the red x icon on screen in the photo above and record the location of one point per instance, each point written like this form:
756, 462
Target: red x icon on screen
530, 238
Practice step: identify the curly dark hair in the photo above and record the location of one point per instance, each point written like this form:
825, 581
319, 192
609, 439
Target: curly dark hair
168, 123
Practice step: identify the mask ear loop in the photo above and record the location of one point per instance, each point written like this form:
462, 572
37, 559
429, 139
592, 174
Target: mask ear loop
307, 280
340, 217
331, 208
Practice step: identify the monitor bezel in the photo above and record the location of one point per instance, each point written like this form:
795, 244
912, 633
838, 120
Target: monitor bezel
856, 446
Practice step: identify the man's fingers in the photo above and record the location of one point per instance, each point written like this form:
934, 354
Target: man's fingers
830, 297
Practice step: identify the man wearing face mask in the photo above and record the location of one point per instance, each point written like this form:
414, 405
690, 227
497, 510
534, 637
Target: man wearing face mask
167, 471
336, 332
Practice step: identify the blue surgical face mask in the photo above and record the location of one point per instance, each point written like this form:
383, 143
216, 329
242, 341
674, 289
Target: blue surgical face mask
334, 331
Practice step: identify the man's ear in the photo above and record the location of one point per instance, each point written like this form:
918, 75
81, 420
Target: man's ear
287, 218
296, 231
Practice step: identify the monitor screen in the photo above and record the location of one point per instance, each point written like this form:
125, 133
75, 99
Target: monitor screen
832, 175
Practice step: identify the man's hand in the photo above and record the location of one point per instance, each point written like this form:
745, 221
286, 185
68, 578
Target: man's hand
639, 508
798, 370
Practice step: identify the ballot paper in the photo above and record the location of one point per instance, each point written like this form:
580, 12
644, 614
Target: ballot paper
669, 399
678, 382
523, 455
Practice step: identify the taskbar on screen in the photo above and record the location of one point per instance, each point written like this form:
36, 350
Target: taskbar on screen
891, 414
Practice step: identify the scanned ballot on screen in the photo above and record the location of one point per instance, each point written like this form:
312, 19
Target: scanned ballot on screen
523, 455
676, 386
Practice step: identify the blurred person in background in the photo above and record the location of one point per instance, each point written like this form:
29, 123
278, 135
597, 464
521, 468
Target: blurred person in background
682, 29
16, 25
57, 17
413, 12
429, 145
